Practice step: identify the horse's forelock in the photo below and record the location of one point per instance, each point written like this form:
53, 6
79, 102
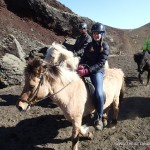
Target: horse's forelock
34, 67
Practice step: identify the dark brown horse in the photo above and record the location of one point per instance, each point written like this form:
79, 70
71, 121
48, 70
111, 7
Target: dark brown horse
143, 64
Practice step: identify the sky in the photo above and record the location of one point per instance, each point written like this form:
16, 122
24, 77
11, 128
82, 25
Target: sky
122, 14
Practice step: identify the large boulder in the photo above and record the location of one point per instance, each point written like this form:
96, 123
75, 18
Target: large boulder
12, 62
11, 70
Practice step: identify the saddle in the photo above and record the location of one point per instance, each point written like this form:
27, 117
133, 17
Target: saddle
91, 88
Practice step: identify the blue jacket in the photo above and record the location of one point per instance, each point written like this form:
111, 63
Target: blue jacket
93, 58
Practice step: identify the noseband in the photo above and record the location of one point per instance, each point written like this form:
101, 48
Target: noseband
31, 97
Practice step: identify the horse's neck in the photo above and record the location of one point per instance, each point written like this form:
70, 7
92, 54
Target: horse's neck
61, 86
65, 78
67, 75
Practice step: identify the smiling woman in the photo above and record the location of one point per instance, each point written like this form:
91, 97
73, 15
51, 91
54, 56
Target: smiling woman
122, 15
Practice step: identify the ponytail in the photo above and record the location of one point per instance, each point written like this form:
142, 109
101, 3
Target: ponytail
101, 45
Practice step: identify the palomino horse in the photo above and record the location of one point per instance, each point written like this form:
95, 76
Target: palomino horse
69, 92
143, 63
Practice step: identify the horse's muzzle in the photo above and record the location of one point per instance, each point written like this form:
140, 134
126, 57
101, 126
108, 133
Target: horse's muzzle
22, 105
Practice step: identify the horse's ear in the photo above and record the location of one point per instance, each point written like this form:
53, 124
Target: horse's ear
29, 59
54, 43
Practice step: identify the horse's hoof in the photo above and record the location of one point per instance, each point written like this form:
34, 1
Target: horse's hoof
113, 127
90, 136
113, 124
142, 82
105, 123
114, 121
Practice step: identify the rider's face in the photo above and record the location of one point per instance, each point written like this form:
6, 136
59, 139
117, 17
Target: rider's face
96, 36
83, 30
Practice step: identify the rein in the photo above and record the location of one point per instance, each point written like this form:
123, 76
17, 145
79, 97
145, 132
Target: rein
30, 98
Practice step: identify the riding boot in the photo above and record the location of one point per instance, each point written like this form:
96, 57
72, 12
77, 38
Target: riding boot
99, 124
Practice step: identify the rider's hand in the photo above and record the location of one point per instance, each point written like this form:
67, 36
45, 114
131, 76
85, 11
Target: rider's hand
83, 72
80, 67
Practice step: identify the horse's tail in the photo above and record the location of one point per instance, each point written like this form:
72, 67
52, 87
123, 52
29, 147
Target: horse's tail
122, 91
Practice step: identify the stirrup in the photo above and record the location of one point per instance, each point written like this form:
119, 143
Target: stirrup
98, 125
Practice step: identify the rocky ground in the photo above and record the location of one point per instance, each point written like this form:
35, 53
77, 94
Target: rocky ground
44, 126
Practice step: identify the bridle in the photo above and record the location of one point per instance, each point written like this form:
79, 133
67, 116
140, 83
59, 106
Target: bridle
32, 96
30, 101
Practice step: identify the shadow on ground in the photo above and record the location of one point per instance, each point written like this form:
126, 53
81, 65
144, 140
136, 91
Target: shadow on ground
31, 132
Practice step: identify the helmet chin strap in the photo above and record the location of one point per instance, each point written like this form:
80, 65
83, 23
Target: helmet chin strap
102, 34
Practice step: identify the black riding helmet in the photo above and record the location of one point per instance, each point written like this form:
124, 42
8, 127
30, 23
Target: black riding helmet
98, 27
82, 26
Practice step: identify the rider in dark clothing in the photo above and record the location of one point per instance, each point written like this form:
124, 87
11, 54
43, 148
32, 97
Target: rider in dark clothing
95, 56
82, 40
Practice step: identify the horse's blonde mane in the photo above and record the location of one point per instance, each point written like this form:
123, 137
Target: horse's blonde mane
53, 74
61, 54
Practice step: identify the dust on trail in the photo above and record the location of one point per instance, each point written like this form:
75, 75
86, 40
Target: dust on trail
44, 126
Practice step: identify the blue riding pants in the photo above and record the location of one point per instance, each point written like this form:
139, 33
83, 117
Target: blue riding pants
97, 80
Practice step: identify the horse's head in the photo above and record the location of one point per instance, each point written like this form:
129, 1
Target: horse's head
57, 54
41, 80
36, 86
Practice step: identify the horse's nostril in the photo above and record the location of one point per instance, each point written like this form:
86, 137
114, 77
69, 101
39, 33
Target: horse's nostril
20, 108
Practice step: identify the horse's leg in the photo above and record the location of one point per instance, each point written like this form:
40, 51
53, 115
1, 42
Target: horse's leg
140, 78
84, 131
148, 77
105, 117
75, 133
116, 110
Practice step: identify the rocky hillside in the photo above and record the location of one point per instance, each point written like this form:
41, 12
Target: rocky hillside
27, 25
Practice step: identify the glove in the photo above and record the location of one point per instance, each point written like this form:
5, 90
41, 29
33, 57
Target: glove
83, 72
80, 67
